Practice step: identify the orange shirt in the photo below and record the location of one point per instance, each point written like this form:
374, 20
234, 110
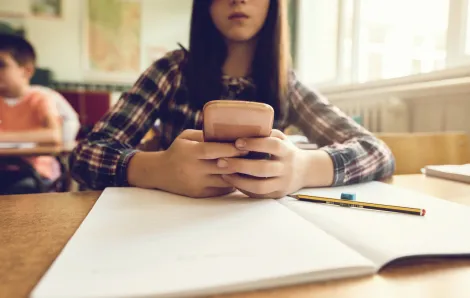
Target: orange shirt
29, 113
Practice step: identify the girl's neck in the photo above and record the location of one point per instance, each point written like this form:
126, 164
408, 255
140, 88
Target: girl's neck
239, 58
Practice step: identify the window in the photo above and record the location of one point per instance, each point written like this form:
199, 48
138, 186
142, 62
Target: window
379, 39
401, 37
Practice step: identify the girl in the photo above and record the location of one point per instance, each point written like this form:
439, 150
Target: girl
238, 50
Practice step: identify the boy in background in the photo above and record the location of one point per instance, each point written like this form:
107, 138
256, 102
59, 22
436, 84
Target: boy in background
26, 115
70, 123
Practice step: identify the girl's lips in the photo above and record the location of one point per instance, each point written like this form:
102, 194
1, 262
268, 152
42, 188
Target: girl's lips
237, 15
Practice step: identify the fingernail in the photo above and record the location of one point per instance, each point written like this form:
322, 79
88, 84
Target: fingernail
240, 143
243, 152
225, 177
222, 163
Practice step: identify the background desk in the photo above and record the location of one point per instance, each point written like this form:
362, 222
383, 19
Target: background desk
62, 152
34, 229
445, 189
53, 150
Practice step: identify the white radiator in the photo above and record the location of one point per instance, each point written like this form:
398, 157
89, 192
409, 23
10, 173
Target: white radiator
385, 115
431, 102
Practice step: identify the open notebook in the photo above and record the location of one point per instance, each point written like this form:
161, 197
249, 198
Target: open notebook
459, 173
144, 243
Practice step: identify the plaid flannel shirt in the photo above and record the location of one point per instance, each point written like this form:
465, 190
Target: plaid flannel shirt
101, 160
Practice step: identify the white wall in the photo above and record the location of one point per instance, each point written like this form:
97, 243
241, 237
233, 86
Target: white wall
317, 29
58, 42
165, 23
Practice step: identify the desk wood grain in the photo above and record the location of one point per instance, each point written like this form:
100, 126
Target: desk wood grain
35, 228
450, 190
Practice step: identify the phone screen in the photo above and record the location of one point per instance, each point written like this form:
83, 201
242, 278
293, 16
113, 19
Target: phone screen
257, 155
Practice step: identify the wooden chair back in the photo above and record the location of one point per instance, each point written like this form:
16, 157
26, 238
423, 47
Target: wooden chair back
413, 151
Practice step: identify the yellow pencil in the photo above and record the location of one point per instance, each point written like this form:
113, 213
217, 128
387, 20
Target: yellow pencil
362, 205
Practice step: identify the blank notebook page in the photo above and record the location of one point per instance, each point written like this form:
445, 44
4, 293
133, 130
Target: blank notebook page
141, 243
384, 236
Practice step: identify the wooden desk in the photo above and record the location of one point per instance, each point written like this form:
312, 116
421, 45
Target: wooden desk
54, 150
34, 228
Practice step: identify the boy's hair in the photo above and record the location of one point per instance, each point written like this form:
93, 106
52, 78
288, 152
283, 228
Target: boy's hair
19, 48
207, 52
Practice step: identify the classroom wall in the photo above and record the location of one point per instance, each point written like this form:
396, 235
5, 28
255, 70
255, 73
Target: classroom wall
317, 33
59, 41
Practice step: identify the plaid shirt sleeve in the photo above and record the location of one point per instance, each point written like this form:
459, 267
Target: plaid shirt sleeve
358, 156
101, 160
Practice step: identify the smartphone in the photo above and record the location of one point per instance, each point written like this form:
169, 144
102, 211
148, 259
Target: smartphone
229, 120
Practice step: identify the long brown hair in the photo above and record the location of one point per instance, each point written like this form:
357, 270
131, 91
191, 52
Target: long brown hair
207, 54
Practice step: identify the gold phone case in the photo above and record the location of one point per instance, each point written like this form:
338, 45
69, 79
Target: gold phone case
228, 120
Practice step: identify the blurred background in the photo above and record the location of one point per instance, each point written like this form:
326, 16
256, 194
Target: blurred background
393, 65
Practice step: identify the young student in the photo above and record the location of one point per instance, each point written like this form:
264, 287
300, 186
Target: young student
26, 115
70, 123
238, 50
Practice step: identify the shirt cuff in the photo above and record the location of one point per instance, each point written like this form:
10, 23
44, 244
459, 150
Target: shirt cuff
122, 165
339, 165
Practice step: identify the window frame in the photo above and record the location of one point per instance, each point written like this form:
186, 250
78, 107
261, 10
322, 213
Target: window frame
456, 43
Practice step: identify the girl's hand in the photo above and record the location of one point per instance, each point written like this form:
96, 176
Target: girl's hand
191, 166
283, 174
188, 167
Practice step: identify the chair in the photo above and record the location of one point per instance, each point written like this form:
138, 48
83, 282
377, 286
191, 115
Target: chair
64, 181
413, 151
61, 184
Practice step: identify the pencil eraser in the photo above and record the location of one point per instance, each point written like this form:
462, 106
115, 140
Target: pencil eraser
348, 196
